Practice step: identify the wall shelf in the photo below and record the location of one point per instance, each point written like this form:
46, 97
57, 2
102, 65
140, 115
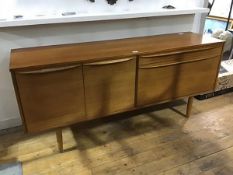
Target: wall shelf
85, 17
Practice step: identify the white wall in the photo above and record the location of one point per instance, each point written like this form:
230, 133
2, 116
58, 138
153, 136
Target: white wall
17, 37
199, 23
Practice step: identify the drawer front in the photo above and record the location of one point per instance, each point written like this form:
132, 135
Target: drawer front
157, 83
164, 59
51, 98
109, 86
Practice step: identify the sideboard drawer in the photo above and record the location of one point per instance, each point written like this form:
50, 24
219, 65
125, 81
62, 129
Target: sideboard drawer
171, 80
186, 55
109, 86
52, 97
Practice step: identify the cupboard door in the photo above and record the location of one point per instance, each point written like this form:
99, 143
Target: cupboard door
51, 97
109, 86
167, 80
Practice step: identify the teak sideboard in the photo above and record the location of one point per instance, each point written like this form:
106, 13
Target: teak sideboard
57, 86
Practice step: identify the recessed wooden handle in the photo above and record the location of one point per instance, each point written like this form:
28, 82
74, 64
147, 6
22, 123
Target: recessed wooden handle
48, 70
100, 63
175, 53
175, 63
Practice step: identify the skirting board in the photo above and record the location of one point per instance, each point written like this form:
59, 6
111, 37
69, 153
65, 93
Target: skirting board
8, 123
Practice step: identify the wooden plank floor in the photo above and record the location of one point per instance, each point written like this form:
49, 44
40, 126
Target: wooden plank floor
157, 140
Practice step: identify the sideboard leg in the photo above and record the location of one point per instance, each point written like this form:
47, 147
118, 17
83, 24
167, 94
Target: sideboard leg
59, 140
189, 106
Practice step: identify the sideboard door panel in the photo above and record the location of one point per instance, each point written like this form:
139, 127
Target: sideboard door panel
52, 97
160, 82
109, 86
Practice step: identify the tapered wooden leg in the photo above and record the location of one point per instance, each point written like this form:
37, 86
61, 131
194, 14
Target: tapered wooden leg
189, 106
59, 140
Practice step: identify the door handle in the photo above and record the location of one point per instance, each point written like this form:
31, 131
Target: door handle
48, 70
100, 63
176, 53
175, 63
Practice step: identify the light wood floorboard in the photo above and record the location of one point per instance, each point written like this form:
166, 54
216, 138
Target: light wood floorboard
157, 140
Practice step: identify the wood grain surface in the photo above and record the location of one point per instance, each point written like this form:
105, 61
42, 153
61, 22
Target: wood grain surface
109, 87
96, 51
51, 98
167, 81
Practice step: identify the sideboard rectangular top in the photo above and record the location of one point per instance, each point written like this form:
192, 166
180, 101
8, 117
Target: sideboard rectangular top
100, 50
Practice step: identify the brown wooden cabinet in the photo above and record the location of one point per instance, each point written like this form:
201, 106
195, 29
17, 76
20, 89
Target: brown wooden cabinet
61, 85
109, 86
51, 97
